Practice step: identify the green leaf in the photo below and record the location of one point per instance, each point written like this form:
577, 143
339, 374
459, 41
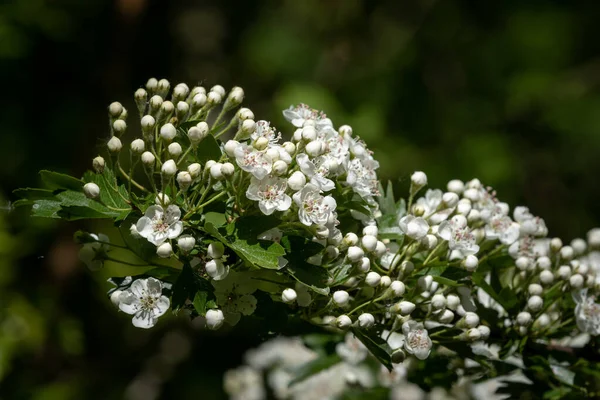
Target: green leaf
208, 149
34, 194
240, 236
111, 195
187, 285
217, 219
313, 367
75, 205
299, 249
55, 180
45, 208
203, 301
387, 205
139, 246
376, 345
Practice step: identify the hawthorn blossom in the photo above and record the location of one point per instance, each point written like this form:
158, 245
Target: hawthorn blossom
530, 225
312, 207
502, 228
258, 163
244, 383
144, 300
157, 225
431, 203
270, 194
587, 312
459, 237
417, 341
264, 130
301, 113
414, 227
362, 177
234, 296
317, 170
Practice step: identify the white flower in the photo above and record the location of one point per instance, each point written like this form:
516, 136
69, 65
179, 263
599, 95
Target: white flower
234, 296
92, 254
587, 313
530, 225
214, 319
459, 238
264, 130
312, 207
158, 225
502, 228
431, 205
362, 177
256, 162
302, 113
351, 350
417, 341
244, 383
270, 194
317, 170
144, 300
414, 227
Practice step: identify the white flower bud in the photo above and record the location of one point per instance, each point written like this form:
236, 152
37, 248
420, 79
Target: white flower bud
98, 164
343, 322
369, 243
365, 264
446, 317
155, 102
418, 179
244, 114
216, 269
332, 252
370, 230
115, 109
543, 262
214, 98
147, 123
296, 181
164, 250
593, 238
215, 171
546, 277
169, 168
355, 253
230, 147
261, 143
91, 190
162, 199
471, 319
289, 295
321, 232
345, 130
167, 132
218, 89
524, 318
455, 186
470, 263
429, 242
564, 272
214, 319
215, 250
197, 133
351, 239
473, 334
114, 144
248, 126
209, 165
535, 303
425, 282
184, 179
398, 288
380, 249
463, 207
403, 307
175, 149
543, 321
194, 169
186, 243
280, 167
523, 263
438, 301
148, 158
452, 301
341, 298
579, 246
119, 126
555, 244
180, 91
163, 87
309, 133
152, 84
236, 96
386, 281
567, 253
366, 320
576, 281
373, 279
450, 199
289, 147
407, 267
484, 331
535, 289
314, 148
227, 169
138, 146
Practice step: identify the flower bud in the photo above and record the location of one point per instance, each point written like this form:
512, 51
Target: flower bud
407, 267
321, 232
119, 126
215, 250
351, 239
163, 87
366, 320
380, 249
369, 243
429, 242
555, 244
296, 181
567, 253
175, 150
184, 179
280, 167
576, 281
197, 133
168, 132
155, 103
186, 243
398, 288
365, 264
455, 186
471, 319
546, 277
418, 179
216, 269
452, 301
535, 289
208, 166
227, 169
522, 263
450, 199
343, 322
164, 250
386, 281
148, 123
403, 307
114, 144
91, 190
115, 109
424, 282
543, 262
535, 303
314, 148
579, 246
198, 101
564, 272
341, 298
148, 158
248, 126
152, 85
162, 199
463, 207
289, 296
214, 319
289, 147
169, 168
236, 96
194, 169
370, 230
438, 301
182, 109
244, 114
215, 171
230, 147
470, 263
98, 164
446, 316
180, 92
524, 318
473, 334
355, 253
593, 238
373, 279
214, 98
261, 143
218, 89
138, 146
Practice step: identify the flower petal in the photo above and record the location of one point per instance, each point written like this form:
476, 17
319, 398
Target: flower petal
144, 319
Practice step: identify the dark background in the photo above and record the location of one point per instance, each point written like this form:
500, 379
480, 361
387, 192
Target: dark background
506, 91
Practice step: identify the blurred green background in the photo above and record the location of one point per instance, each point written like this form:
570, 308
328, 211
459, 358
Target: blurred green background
506, 91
